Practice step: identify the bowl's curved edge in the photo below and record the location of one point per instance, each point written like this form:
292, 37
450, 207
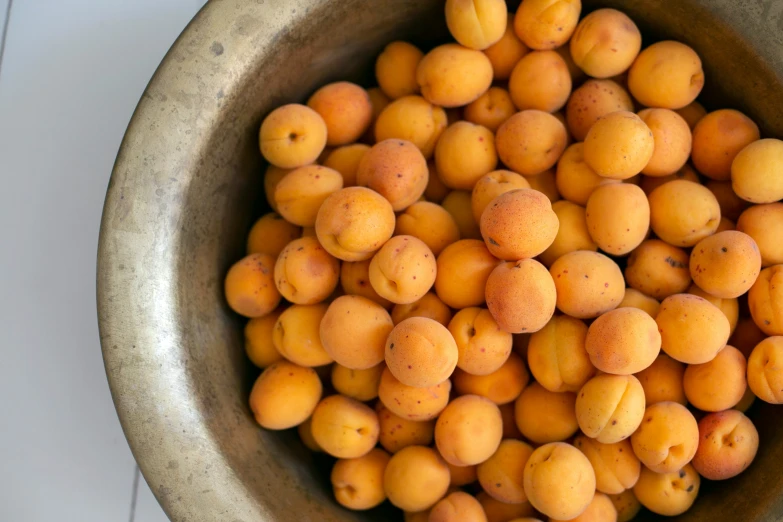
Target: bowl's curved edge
134, 286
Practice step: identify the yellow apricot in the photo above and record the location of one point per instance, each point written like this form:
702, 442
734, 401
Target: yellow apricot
292, 136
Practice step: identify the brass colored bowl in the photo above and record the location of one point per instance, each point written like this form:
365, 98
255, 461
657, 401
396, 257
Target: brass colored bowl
187, 183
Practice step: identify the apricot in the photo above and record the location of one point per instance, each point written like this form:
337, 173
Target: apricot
693, 330
540, 81
458, 506
587, 283
669, 494
725, 264
635, 299
559, 481
353, 331
692, 113
305, 273
296, 335
764, 223
501, 475
506, 52
649, 183
458, 204
616, 467
765, 300
421, 352
618, 145
396, 170
414, 119
355, 280
469, 430
400, 432
746, 336
292, 136
358, 482
346, 110
403, 270
462, 272
672, 141
617, 217
592, 100
498, 511
755, 171
345, 160
483, 347
521, 296
451, 75
530, 142
546, 24
626, 504
557, 357
416, 478
765, 376
545, 183
464, 153
284, 395
572, 233
430, 223
667, 74
436, 190
395, 69
519, 224
462, 475
249, 286
666, 439
353, 223
258, 340
476, 24
609, 408
718, 384
718, 138
502, 386
491, 109
728, 442
344, 427
361, 385
662, 381
492, 185
623, 341
270, 234
544, 416
299, 195
682, 213
575, 179
418, 404
605, 43
272, 176
658, 269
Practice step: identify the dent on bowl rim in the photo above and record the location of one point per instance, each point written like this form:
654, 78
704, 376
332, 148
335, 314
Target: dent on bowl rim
179, 427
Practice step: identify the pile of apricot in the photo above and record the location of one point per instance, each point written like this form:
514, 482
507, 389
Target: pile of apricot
528, 276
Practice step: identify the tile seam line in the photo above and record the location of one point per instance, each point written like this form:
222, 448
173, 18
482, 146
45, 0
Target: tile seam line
4, 34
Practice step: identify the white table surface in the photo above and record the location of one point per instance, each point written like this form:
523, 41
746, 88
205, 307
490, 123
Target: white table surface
71, 74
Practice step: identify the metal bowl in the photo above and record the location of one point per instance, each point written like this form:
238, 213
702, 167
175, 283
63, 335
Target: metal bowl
186, 185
